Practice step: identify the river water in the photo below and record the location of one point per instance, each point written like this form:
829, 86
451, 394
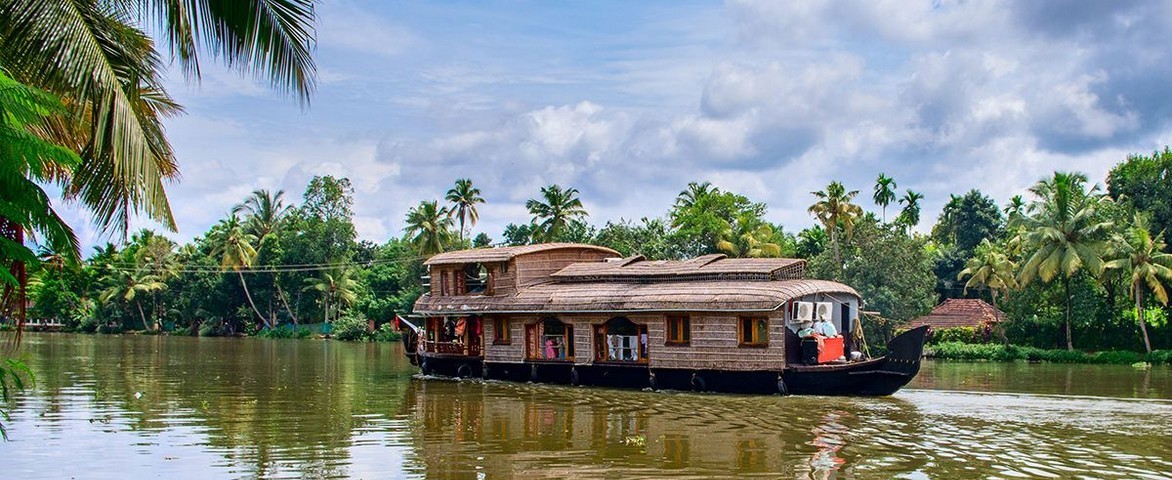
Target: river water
178, 407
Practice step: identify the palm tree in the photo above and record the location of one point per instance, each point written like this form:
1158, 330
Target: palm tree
559, 209
127, 284
693, 194
749, 237
156, 255
947, 222
464, 198
26, 161
1014, 209
910, 215
1141, 254
430, 227
884, 193
96, 55
263, 212
337, 287
990, 268
234, 247
1063, 235
834, 209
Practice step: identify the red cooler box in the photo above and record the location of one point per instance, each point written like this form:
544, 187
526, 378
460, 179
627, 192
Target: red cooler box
831, 349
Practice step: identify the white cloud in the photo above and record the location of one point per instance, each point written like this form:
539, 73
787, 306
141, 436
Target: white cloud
769, 99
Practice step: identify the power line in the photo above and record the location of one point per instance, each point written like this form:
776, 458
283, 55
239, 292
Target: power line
290, 268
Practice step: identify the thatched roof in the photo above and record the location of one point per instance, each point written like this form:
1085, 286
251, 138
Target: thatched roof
960, 312
705, 267
504, 254
611, 296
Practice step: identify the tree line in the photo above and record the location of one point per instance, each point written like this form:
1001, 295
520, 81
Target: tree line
1063, 246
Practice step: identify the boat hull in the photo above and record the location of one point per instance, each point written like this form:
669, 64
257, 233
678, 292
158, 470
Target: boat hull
877, 377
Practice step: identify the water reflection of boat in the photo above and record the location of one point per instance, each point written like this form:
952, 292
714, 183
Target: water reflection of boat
577, 314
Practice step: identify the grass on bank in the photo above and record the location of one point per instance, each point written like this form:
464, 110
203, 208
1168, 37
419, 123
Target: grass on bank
1004, 353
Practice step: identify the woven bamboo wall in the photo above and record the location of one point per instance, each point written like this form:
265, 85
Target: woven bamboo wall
714, 344
512, 352
445, 273
537, 267
503, 282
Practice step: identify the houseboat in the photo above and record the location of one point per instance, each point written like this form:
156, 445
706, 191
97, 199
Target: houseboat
580, 314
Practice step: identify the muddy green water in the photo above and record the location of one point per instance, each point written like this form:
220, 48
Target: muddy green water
169, 407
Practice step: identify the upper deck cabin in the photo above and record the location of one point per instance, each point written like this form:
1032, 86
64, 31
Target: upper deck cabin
582, 304
502, 271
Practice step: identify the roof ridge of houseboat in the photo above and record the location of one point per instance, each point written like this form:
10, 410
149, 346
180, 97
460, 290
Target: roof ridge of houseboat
504, 254
707, 267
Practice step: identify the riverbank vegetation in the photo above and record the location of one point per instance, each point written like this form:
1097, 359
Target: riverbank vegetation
1069, 264
82, 103
1006, 353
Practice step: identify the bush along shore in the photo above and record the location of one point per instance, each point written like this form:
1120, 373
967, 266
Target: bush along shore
1009, 353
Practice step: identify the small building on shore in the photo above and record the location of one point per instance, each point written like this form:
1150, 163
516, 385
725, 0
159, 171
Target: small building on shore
961, 312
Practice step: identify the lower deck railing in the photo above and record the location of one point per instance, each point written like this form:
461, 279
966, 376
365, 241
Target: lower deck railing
452, 348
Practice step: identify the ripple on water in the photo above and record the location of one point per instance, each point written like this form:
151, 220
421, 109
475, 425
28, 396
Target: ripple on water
228, 408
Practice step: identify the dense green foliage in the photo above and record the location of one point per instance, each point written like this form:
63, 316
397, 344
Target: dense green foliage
1145, 183
891, 271
963, 224
998, 352
959, 335
1063, 254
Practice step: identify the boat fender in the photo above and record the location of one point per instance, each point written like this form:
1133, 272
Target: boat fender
575, 379
484, 371
698, 383
533, 373
425, 367
651, 383
781, 387
464, 371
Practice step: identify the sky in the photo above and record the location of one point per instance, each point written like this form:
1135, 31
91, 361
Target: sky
630, 101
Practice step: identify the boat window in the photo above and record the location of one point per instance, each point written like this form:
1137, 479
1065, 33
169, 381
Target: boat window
620, 340
753, 331
475, 278
679, 330
444, 289
550, 339
500, 331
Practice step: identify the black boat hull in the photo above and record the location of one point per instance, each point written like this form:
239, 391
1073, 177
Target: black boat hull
877, 377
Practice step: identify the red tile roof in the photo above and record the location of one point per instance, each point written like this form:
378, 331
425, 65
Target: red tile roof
960, 312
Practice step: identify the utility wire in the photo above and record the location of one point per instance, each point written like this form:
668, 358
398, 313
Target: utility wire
290, 268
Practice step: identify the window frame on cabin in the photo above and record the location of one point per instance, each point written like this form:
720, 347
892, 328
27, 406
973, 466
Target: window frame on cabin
500, 331
535, 334
483, 288
683, 326
758, 326
608, 352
